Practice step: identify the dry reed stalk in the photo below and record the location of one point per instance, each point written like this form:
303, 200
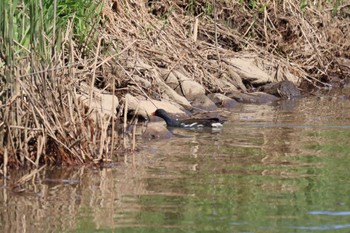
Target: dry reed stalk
72, 112
83, 129
103, 137
41, 141
4, 168
126, 158
26, 141
134, 134
195, 29
94, 71
125, 122
113, 110
118, 116
216, 31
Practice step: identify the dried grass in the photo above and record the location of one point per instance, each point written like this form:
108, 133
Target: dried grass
168, 36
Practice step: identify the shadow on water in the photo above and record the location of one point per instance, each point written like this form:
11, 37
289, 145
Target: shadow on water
280, 168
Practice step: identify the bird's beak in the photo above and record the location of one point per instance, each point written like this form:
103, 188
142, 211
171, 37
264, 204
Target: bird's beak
153, 114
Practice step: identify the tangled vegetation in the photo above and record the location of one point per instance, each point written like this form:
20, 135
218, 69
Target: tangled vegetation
47, 51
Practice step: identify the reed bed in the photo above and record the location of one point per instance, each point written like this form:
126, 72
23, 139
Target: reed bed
49, 48
48, 51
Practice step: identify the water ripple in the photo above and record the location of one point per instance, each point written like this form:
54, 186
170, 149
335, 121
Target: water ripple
330, 213
323, 227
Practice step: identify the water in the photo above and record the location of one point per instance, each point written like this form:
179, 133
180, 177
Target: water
278, 168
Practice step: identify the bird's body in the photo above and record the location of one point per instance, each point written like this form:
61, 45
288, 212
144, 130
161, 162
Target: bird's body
193, 123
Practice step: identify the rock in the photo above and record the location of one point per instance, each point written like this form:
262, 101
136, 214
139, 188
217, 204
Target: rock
267, 70
183, 85
222, 100
156, 130
103, 103
248, 70
224, 83
142, 82
221, 80
138, 64
173, 94
234, 78
253, 98
284, 89
189, 88
203, 103
143, 107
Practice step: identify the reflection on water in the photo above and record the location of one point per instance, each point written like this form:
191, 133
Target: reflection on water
281, 168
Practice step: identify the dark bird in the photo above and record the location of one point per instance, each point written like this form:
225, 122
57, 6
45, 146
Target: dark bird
192, 123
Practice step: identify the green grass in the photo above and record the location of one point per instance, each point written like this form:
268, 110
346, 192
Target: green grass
37, 27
